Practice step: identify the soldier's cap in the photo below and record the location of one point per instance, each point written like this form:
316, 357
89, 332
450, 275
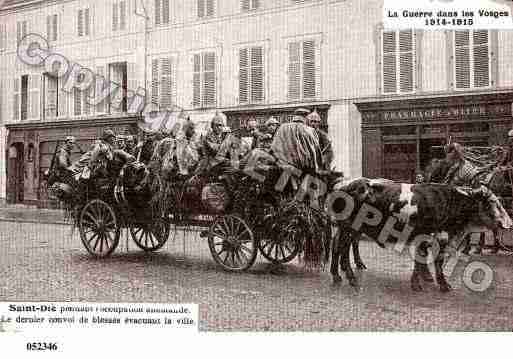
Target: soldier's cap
70, 139
108, 134
301, 112
272, 121
510, 133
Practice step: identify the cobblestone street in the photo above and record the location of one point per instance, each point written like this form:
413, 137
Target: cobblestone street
43, 262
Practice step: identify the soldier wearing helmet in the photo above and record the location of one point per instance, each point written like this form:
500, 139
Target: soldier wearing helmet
265, 140
63, 157
314, 120
211, 142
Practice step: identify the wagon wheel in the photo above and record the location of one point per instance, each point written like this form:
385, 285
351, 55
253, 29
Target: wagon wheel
150, 236
232, 243
505, 238
99, 228
280, 248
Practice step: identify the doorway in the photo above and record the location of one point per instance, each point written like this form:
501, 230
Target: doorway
15, 173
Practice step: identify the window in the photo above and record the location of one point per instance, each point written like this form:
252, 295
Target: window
161, 12
21, 30
250, 5
3, 36
398, 61
302, 70
163, 82
118, 75
119, 15
26, 99
205, 8
83, 22
472, 59
51, 27
51, 92
204, 80
251, 74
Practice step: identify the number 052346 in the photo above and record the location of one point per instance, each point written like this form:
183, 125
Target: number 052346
37, 346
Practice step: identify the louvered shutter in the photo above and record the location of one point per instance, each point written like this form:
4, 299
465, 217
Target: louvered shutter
210, 7
115, 16
462, 57
62, 99
201, 8
157, 12
24, 27
243, 75
80, 22
165, 11
34, 105
196, 81
122, 15
100, 82
77, 102
309, 69
209, 79
256, 4
116, 100
389, 62
257, 74
51, 97
132, 84
16, 99
87, 22
166, 83
481, 58
245, 4
19, 31
406, 60
49, 27
55, 20
155, 82
294, 73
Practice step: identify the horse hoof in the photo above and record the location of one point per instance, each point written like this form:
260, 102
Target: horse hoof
416, 287
361, 266
444, 288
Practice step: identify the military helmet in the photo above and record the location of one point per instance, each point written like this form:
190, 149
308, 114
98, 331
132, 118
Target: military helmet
301, 112
108, 134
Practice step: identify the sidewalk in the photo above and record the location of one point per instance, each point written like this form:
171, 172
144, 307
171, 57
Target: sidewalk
31, 214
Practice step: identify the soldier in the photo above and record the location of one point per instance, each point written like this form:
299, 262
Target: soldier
97, 158
271, 126
130, 145
461, 172
507, 157
314, 121
210, 144
63, 164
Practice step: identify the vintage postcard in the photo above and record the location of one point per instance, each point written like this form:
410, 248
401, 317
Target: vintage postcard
204, 166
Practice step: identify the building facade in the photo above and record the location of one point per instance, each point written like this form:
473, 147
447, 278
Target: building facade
386, 97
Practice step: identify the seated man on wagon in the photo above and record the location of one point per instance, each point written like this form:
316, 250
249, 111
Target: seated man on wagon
62, 168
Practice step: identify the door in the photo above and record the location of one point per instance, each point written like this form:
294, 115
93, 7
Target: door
15, 173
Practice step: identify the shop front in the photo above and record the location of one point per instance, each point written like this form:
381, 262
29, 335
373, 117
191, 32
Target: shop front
31, 147
400, 137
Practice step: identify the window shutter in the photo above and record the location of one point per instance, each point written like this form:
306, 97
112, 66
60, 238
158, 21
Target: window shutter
19, 32
24, 29
34, 105
256, 4
257, 74
80, 23
99, 84
55, 20
77, 102
132, 83
209, 79
16, 99
51, 97
2, 37
309, 69
201, 8
243, 75
49, 27
155, 84
122, 15
165, 11
116, 98
389, 62
196, 81
481, 58
166, 84
462, 58
245, 5
406, 60
210, 7
87, 22
157, 12
115, 16
62, 100
294, 88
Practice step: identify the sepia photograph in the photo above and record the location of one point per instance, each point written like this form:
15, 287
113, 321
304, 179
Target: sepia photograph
283, 165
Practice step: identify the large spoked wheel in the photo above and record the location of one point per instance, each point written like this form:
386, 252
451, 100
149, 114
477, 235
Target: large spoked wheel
232, 243
99, 228
280, 248
505, 238
150, 236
